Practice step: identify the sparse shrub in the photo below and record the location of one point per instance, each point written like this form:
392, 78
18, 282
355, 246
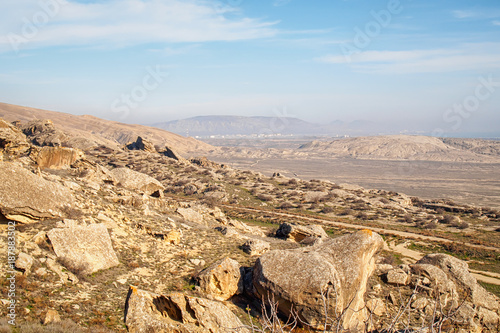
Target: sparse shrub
346, 212
384, 200
407, 218
293, 181
431, 225
286, 205
462, 225
448, 219
362, 216
264, 197
327, 210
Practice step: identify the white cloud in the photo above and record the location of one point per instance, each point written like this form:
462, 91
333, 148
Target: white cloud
461, 14
468, 57
496, 22
117, 23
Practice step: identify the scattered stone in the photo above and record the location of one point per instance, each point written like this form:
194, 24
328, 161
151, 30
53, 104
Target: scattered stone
85, 249
256, 247
337, 270
27, 198
51, 317
12, 141
44, 133
173, 237
398, 277
376, 306
149, 312
138, 181
297, 232
24, 262
221, 280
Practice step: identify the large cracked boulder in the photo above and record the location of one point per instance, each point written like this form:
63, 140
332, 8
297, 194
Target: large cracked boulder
458, 271
137, 181
335, 271
27, 198
221, 280
148, 312
299, 233
86, 249
142, 144
56, 157
12, 141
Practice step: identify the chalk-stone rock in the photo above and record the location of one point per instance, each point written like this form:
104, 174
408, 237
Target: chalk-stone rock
56, 157
12, 141
92, 172
142, 144
298, 233
169, 152
51, 316
44, 133
26, 197
138, 181
222, 280
86, 248
458, 271
398, 276
256, 247
376, 306
149, 312
335, 271
24, 262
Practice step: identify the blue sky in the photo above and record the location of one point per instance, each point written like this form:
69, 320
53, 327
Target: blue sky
431, 66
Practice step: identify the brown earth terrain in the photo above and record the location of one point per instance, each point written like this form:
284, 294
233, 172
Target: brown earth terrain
123, 236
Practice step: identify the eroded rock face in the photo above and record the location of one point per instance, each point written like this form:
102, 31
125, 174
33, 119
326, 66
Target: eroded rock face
256, 247
149, 312
299, 233
142, 144
12, 141
43, 133
138, 181
458, 272
169, 152
56, 157
87, 249
26, 197
222, 280
335, 271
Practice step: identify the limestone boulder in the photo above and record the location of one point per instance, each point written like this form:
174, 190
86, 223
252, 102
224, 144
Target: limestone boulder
298, 233
86, 249
169, 152
256, 247
142, 144
12, 141
398, 277
149, 312
92, 172
56, 157
24, 262
138, 181
221, 280
27, 198
335, 271
44, 133
458, 271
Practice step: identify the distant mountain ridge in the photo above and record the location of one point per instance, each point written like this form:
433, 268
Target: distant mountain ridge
205, 126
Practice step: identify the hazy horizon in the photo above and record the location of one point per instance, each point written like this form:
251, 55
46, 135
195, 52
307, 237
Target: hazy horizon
410, 66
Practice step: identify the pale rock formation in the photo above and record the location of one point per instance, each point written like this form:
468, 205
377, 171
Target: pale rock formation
335, 271
138, 181
149, 312
221, 280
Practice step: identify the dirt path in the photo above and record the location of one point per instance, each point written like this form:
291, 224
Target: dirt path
403, 234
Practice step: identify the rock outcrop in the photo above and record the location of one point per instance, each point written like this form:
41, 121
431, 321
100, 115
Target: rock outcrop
169, 152
56, 157
43, 133
149, 312
12, 141
26, 197
138, 181
86, 249
222, 280
335, 272
256, 247
300, 233
142, 144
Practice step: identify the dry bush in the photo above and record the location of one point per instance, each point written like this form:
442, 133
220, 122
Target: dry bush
327, 210
264, 197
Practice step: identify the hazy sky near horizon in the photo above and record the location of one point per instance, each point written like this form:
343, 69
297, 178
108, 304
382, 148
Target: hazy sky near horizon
418, 65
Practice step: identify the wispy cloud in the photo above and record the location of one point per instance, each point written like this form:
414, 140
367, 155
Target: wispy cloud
461, 14
468, 57
496, 22
117, 23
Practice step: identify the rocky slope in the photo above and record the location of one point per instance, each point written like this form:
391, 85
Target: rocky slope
88, 131
130, 238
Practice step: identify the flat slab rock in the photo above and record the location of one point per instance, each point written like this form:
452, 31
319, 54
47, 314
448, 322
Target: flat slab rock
137, 181
87, 248
26, 197
149, 312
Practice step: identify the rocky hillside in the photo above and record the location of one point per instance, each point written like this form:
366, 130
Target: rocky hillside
130, 238
88, 131
406, 147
